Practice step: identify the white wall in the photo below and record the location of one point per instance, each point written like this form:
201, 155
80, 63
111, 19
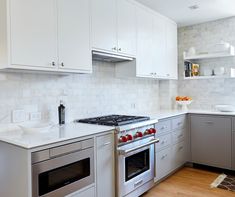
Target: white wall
84, 95
207, 93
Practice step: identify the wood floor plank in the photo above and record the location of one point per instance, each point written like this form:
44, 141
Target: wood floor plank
189, 182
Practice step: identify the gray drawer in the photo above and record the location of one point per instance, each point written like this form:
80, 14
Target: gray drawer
163, 127
179, 156
178, 135
164, 141
163, 163
179, 122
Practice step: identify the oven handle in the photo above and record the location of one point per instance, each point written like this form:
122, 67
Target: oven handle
125, 152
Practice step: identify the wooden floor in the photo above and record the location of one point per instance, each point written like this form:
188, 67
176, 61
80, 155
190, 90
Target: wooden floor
189, 182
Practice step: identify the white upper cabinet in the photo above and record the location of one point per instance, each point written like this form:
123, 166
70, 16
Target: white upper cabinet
126, 24
33, 33
144, 58
114, 26
104, 34
48, 35
159, 47
172, 50
74, 35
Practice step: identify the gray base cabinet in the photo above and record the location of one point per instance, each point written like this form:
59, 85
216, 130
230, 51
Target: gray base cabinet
105, 166
211, 140
171, 151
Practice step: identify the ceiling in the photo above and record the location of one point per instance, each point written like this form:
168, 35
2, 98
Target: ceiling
179, 11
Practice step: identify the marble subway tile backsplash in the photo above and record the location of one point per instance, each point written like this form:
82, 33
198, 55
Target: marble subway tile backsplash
84, 95
207, 93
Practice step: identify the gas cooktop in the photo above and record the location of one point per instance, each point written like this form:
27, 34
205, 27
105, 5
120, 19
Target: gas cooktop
114, 120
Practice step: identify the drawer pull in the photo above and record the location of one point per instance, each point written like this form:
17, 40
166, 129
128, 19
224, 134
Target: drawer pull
180, 148
181, 135
163, 142
107, 143
209, 122
138, 183
164, 156
164, 127
179, 123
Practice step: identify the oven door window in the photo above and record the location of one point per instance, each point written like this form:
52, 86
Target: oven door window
137, 164
60, 177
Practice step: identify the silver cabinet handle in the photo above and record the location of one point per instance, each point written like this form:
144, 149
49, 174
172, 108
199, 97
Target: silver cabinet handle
209, 122
107, 143
53, 63
124, 152
179, 123
137, 183
62, 64
180, 148
120, 49
181, 135
164, 127
164, 156
114, 48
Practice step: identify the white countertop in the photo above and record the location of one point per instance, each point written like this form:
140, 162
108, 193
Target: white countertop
78, 130
56, 134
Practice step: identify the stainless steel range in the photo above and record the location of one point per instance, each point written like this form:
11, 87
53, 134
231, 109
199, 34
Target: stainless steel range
134, 142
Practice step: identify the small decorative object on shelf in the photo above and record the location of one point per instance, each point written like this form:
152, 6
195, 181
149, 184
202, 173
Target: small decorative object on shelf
183, 101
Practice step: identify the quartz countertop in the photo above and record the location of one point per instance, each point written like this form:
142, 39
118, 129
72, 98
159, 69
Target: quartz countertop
56, 134
78, 130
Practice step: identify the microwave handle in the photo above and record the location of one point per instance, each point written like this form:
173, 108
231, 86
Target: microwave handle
125, 152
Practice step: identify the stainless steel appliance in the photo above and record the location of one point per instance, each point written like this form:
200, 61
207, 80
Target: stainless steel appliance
62, 170
134, 142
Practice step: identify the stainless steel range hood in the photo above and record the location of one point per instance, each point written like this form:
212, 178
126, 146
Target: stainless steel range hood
109, 57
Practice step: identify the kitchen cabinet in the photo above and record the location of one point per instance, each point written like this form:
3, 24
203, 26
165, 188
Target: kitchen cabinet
114, 26
156, 42
126, 28
211, 140
233, 151
105, 166
104, 35
74, 35
171, 60
33, 33
84, 193
144, 61
48, 35
171, 151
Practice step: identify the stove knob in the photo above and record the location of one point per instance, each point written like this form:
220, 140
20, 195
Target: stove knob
123, 139
129, 137
153, 131
138, 134
147, 132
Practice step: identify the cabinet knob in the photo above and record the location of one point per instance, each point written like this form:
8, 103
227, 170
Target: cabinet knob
62, 64
120, 49
53, 63
114, 48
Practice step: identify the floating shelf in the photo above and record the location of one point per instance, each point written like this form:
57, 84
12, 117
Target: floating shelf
209, 77
229, 53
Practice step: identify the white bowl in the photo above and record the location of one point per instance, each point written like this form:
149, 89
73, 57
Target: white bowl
184, 104
225, 108
35, 128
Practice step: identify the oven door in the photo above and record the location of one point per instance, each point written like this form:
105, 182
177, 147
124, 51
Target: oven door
135, 168
63, 175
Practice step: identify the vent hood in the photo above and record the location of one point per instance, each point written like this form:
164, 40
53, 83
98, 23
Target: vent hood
110, 57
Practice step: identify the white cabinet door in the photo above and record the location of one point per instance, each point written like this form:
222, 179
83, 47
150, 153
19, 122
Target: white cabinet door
144, 58
126, 19
172, 50
33, 33
74, 35
179, 155
105, 166
159, 47
104, 25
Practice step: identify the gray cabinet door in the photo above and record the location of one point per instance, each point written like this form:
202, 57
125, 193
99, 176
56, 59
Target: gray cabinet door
233, 152
163, 163
211, 138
